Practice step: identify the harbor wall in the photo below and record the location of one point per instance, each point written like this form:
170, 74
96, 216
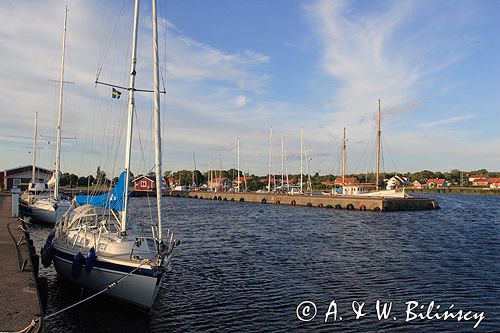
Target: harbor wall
320, 201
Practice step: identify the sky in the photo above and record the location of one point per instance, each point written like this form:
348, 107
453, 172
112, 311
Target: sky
234, 69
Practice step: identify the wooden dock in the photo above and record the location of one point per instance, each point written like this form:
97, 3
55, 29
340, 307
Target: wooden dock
383, 204
18, 282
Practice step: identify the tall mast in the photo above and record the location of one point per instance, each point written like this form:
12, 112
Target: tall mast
212, 170
308, 188
34, 148
131, 108
59, 114
238, 180
378, 150
157, 120
194, 170
286, 171
343, 158
301, 156
282, 160
270, 158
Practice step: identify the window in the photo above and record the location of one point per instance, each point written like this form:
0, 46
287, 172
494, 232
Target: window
16, 182
143, 183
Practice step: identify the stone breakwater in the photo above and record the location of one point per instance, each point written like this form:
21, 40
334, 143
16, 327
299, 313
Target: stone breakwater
361, 203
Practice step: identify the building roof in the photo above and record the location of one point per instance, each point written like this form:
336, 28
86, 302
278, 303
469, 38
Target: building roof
347, 180
141, 177
24, 169
172, 179
217, 179
242, 179
437, 181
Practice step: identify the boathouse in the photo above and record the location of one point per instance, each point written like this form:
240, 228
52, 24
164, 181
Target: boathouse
21, 176
144, 183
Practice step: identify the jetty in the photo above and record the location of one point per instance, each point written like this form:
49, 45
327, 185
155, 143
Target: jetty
349, 202
21, 307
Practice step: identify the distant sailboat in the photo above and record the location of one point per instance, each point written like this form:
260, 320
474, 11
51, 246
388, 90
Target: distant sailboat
95, 235
361, 189
48, 209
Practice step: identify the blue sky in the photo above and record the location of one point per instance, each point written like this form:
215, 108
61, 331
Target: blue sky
235, 68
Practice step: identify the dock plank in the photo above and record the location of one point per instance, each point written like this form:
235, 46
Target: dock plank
18, 291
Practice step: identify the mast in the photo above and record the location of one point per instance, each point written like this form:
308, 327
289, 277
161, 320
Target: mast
34, 148
157, 119
286, 171
301, 156
131, 107
238, 176
212, 170
59, 114
270, 158
194, 170
378, 150
309, 187
282, 161
343, 158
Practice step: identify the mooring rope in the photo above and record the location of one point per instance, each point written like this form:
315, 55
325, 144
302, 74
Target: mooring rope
108, 287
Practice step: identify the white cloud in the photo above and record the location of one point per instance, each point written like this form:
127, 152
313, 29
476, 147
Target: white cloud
446, 121
241, 101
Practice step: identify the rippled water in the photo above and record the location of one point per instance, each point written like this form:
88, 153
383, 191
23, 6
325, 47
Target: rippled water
246, 267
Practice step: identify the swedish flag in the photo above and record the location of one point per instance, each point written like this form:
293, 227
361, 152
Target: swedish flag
116, 93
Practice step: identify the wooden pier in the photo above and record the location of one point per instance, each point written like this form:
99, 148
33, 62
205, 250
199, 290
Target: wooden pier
362, 203
20, 304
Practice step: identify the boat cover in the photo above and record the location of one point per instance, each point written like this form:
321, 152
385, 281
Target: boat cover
114, 199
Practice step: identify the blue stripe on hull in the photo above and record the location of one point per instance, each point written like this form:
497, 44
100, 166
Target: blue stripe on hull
111, 266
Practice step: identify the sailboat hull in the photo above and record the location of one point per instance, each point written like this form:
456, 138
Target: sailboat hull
138, 289
46, 211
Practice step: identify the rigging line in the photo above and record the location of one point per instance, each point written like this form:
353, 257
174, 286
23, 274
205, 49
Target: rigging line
389, 152
108, 287
141, 147
163, 10
101, 62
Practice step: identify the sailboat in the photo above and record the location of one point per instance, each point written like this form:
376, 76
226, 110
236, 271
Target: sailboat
36, 188
93, 246
361, 189
48, 209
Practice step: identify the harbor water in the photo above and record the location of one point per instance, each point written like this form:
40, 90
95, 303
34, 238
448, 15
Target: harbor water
245, 267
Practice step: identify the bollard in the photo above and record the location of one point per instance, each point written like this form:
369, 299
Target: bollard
15, 201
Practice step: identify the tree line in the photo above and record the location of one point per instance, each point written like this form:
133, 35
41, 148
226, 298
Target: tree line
186, 177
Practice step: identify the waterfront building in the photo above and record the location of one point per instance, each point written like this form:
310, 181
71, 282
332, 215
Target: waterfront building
21, 177
436, 182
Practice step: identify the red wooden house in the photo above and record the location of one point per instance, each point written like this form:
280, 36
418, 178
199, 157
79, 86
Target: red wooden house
144, 183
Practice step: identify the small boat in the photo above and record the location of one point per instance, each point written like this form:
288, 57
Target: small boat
93, 245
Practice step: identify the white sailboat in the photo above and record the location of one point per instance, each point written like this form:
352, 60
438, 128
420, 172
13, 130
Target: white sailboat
36, 188
92, 245
48, 209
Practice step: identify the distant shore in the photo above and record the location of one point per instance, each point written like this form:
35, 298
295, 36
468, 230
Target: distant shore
455, 190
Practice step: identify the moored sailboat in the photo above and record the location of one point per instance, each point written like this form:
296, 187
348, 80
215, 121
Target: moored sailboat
93, 246
44, 208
